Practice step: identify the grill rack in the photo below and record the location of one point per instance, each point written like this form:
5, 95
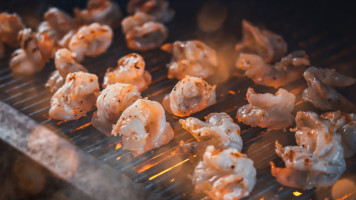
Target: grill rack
29, 97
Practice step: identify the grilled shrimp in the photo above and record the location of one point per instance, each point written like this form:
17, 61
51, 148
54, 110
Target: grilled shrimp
76, 97
159, 9
142, 32
143, 126
192, 58
55, 81
318, 161
218, 129
190, 95
101, 11
65, 40
289, 69
321, 93
224, 174
112, 101
345, 125
28, 59
10, 25
270, 46
65, 63
130, 69
267, 110
91, 40
56, 24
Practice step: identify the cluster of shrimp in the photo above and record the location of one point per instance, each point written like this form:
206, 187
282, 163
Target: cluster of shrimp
265, 47
120, 107
144, 28
224, 172
323, 141
58, 30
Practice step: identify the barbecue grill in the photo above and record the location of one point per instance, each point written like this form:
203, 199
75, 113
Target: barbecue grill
76, 153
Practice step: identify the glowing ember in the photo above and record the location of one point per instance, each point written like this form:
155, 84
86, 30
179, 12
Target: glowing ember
297, 194
172, 180
118, 146
167, 170
118, 158
232, 92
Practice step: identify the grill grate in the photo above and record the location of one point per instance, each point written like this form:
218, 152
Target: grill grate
158, 170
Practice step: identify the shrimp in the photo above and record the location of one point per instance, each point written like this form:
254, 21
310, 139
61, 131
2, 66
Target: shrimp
268, 45
101, 11
28, 59
57, 24
142, 32
218, 129
267, 110
321, 93
76, 97
224, 174
143, 127
65, 63
345, 125
91, 40
318, 161
158, 9
190, 95
55, 81
10, 26
65, 40
130, 69
112, 101
289, 69
192, 58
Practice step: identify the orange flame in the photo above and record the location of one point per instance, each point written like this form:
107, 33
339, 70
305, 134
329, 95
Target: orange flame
297, 194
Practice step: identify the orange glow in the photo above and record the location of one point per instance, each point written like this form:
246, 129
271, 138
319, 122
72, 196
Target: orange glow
167, 170
60, 122
299, 102
232, 92
297, 90
297, 194
344, 197
171, 180
118, 146
152, 162
262, 198
81, 127
118, 158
